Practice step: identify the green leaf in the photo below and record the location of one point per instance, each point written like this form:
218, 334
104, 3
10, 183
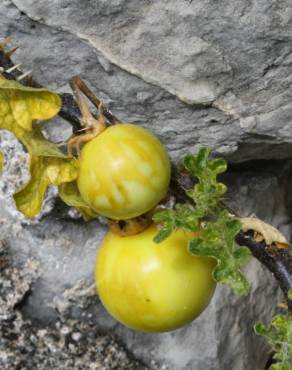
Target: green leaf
20, 106
163, 233
279, 336
218, 166
197, 164
281, 366
202, 159
201, 247
182, 217
217, 240
215, 229
290, 294
261, 329
166, 219
69, 193
242, 255
227, 273
207, 193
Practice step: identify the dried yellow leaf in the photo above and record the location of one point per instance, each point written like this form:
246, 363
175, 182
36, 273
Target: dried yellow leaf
264, 231
44, 171
69, 193
20, 106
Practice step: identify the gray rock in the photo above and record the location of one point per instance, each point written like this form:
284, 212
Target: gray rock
195, 73
65, 344
235, 57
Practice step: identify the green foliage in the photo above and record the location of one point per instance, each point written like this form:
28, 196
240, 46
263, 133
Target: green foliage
215, 229
217, 239
208, 192
182, 217
279, 336
290, 294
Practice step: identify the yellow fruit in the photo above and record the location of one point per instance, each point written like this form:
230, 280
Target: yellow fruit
124, 172
153, 287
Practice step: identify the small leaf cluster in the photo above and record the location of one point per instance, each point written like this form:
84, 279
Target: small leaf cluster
208, 192
215, 230
279, 335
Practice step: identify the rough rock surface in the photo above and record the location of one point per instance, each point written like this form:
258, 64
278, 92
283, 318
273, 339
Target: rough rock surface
196, 73
235, 56
66, 344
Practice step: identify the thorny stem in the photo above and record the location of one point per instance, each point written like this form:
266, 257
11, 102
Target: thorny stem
77, 84
69, 110
277, 261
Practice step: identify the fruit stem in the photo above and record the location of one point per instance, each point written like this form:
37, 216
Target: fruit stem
132, 226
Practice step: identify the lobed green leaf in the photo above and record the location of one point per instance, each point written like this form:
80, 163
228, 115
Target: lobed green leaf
217, 240
279, 335
207, 193
215, 229
182, 217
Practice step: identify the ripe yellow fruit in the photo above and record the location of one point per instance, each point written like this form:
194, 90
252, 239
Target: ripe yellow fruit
124, 172
153, 287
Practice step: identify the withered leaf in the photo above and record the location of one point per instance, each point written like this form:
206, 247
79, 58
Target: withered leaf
69, 193
20, 107
44, 171
268, 232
